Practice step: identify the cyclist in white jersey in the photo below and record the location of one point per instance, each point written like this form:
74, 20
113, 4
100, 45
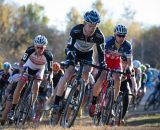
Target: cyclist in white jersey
35, 59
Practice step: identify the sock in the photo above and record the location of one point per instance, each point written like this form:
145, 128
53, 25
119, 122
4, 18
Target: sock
57, 100
13, 106
94, 100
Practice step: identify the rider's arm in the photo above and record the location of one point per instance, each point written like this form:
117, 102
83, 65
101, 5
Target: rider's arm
100, 48
49, 57
70, 45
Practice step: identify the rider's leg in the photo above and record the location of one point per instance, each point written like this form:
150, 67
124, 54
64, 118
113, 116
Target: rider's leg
117, 84
35, 89
7, 108
61, 84
17, 92
98, 85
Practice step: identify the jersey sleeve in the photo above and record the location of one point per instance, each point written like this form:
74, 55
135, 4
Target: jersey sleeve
128, 50
100, 47
49, 57
108, 44
71, 40
27, 53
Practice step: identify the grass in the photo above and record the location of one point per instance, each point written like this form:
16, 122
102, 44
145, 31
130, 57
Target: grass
147, 122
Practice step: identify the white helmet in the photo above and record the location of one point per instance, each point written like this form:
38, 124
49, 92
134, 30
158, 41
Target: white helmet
40, 40
120, 29
136, 64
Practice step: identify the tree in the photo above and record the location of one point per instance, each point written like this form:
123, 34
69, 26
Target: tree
73, 18
149, 45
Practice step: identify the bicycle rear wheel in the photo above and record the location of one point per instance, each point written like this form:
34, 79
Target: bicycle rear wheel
73, 103
119, 109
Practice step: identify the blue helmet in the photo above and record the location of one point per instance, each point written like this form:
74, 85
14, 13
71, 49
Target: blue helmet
120, 29
92, 17
6, 65
40, 40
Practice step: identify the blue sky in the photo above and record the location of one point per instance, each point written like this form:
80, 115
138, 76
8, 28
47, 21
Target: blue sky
147, 11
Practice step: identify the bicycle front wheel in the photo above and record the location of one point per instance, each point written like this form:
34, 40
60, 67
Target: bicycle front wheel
73, 103
107, 106
23, 110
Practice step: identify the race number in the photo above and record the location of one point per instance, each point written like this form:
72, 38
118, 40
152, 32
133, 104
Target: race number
25, 56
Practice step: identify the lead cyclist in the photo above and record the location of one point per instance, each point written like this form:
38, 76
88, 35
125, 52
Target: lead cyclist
80, 46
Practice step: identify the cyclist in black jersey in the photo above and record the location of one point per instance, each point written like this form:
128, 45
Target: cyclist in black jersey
128, 85
57, 74
80, 46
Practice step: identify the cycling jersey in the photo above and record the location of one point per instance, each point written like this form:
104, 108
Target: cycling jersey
113, 61
84, 46
56, 77
35, 62
13, 79
3, 79
143, 80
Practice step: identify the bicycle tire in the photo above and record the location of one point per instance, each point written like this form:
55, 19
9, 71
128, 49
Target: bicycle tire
149, 102
22, 110
107, 106
69, 103
97, 112
156, 104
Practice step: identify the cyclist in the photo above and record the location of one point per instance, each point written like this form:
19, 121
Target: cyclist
13, 80
149, 75
80, 46
35, 58
128, 85
113, 47
57, 74
142, 89
4, 75
138, 72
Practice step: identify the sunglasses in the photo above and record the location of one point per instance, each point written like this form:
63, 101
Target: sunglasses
40, 48
121, 35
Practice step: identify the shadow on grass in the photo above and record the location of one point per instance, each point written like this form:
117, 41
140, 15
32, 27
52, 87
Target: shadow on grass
146, 122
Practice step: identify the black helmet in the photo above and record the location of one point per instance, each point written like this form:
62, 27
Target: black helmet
147, 66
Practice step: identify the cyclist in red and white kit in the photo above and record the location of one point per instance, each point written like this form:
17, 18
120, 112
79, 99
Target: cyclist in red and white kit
35, 59
115, 47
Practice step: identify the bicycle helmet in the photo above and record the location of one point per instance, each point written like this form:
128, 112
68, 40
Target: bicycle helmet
120, 29
40, 40
136, 64
56, 66
92, 17
6, 65
15, 66
143, 68
147, 66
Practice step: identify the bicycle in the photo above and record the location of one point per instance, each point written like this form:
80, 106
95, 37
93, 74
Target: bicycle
24, 107
104, 104
118, 108
57, 117
75, 96
74, 99
153, 100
